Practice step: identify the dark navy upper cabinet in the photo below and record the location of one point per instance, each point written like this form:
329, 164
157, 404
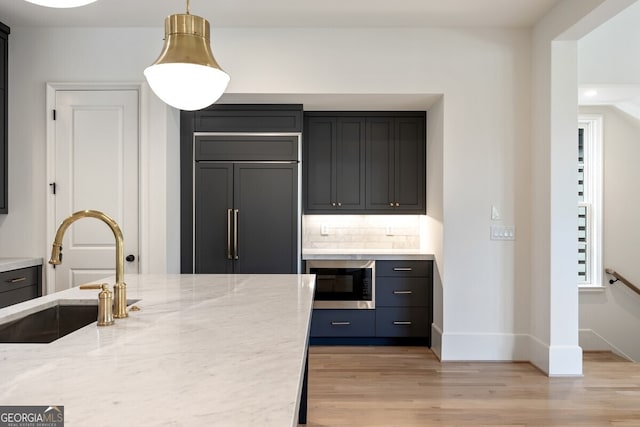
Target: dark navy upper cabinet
364, 162
396, 165
333, 168
4, 136
249, 118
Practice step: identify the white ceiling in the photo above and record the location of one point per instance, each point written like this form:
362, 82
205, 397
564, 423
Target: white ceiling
306, 13
285, 13
625, 97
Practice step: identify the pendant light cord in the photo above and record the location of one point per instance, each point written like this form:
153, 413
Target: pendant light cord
188, 6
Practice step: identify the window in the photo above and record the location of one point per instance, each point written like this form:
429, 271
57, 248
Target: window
589, 191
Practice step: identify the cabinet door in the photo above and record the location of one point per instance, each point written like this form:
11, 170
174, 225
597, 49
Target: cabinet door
319, 156
349, 166
409, 171
265, 196
380, 164
213, 200
396, 164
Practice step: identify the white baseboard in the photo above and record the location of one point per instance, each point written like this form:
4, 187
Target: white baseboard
552, 360
485, 347
565, 361
539, 354
555, 361
590, 340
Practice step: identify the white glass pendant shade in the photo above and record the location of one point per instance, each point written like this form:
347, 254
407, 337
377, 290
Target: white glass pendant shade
186, 75
61, 3
187, 86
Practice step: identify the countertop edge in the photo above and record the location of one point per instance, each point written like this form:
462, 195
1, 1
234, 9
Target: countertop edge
10, 264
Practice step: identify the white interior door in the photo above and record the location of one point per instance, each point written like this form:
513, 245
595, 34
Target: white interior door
96, 167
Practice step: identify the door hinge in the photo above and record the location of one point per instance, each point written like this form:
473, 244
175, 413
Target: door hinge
54, 114
53, 187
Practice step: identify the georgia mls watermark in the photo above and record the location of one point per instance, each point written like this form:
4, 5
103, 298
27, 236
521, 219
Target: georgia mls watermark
31, 416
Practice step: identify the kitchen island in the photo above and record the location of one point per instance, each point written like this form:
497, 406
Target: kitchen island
227, 350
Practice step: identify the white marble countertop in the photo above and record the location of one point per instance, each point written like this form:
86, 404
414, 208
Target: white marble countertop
215, 350
8, 264
376, 254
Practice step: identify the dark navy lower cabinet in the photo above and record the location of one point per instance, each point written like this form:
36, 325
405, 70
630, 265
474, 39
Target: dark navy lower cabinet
403, 313
402, 322
404, 298
343, 323
20, 285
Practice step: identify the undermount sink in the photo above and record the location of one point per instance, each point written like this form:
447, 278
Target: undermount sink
49, 324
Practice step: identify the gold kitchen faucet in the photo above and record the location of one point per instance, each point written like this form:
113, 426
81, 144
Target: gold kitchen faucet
120, 288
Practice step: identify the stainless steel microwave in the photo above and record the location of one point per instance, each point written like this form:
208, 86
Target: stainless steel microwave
343, 283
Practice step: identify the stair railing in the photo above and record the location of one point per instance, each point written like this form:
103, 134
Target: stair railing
619, 277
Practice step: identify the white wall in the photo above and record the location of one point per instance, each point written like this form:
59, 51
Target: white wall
38, 56
610, 317
609, 54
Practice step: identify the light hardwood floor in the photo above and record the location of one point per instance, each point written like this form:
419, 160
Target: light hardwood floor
408, 386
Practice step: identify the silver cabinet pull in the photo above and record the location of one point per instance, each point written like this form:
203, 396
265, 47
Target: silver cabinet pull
333, 204
402, 292
235, 234
340, 323
398, 322
17, 279
397, 204
391, 204
229, 234
339, 204
402, 269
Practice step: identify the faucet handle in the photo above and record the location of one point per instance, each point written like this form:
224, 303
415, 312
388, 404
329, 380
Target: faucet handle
105, 303
105, 306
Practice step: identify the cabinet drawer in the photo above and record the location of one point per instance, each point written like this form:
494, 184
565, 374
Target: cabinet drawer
17, 295
402, 322
343, 323
401, 292
14, 279
404, 268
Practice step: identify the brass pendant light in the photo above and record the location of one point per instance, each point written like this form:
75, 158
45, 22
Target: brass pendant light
61, 3
186, 75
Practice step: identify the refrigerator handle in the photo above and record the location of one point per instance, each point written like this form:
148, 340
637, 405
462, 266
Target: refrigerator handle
229, 234
235, 234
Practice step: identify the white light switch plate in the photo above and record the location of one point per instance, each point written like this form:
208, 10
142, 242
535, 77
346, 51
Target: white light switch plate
503, 232
495, 214
324, 230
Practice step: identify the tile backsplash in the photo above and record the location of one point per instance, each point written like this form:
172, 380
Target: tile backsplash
361, 231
